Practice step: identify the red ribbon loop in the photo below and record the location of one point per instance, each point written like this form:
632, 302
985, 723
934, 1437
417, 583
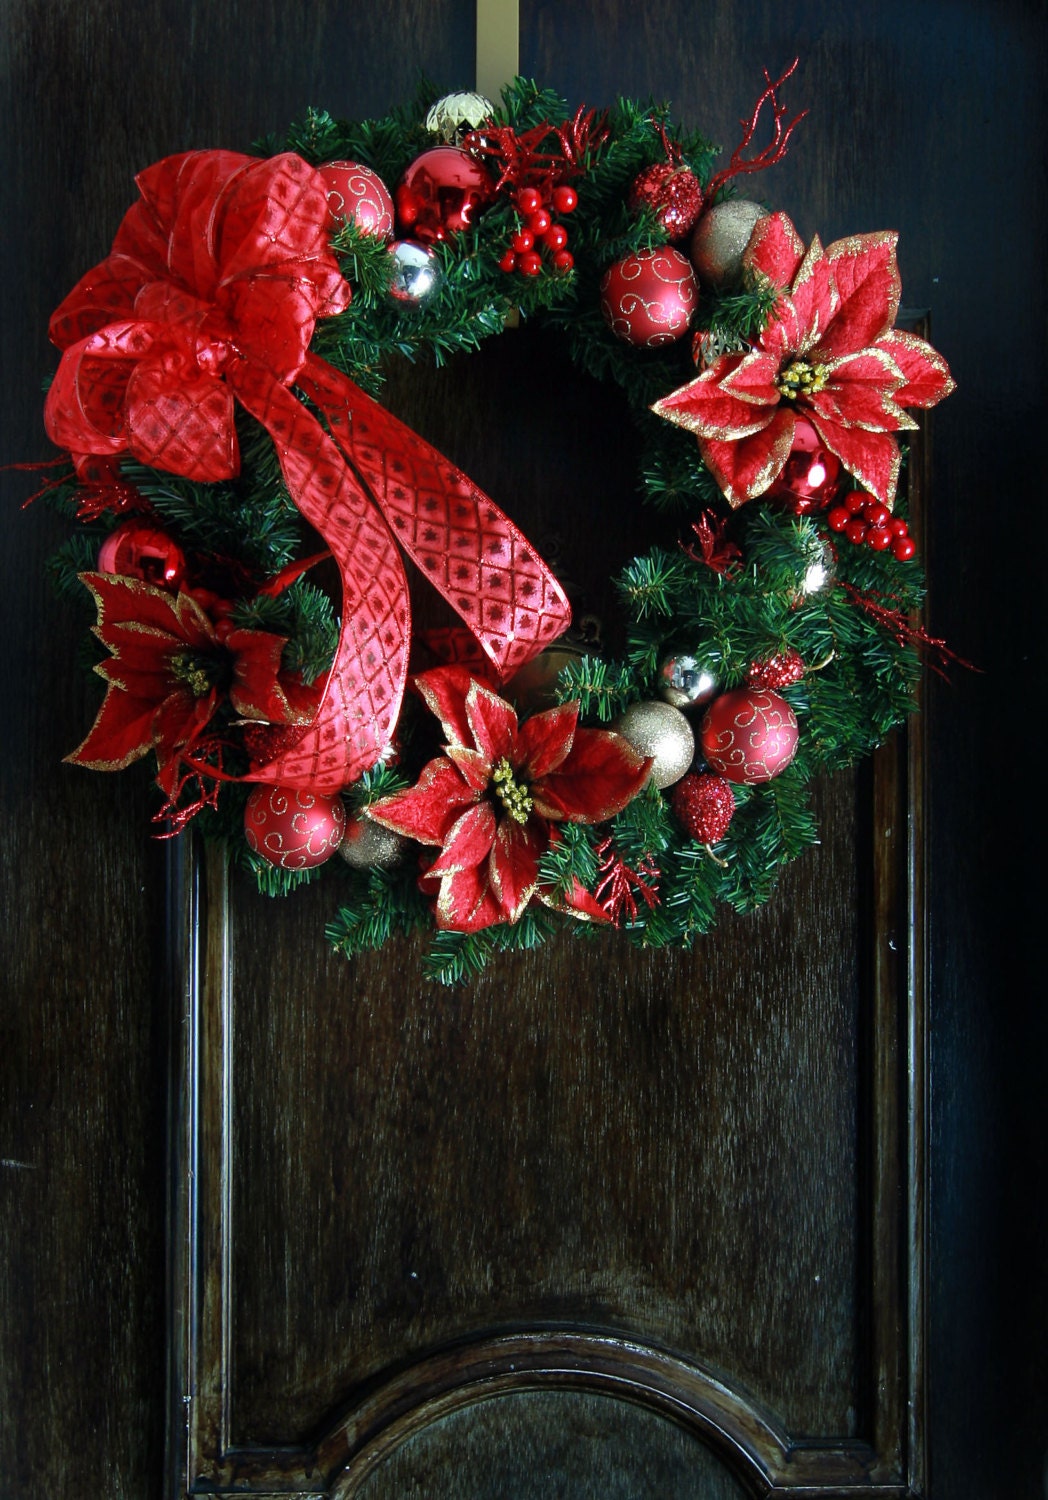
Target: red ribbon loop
209, 296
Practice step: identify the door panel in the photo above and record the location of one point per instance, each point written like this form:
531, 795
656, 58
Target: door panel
678, 1176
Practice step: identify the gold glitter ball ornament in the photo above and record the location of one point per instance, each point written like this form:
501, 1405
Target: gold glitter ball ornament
661, 731
453, 117
719, 240
366, 845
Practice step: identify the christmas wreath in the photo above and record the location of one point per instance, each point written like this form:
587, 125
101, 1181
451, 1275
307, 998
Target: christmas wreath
216, 407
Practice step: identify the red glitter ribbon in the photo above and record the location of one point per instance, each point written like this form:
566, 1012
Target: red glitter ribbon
209, 297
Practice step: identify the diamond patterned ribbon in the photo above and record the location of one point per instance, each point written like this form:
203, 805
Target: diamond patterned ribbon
209, 296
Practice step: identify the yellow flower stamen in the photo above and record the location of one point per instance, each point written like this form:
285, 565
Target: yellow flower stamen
799, 378
192, 670
514, 796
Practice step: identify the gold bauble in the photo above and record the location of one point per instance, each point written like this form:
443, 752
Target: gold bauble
661, 731
453, 117
366, 845
534, 687
719, 240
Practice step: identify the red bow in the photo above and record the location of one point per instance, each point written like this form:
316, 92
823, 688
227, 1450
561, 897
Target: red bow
209, 296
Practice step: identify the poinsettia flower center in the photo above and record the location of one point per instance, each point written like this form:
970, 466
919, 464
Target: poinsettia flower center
513, 794
799, 378
197, 672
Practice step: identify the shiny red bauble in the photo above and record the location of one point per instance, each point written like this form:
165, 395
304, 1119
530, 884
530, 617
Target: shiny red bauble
358, 194
672, 192
648, 298
137, 551
749, 735
812, 474
443, 191
292, 828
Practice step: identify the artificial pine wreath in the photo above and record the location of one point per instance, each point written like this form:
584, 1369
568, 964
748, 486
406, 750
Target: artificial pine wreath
214, 399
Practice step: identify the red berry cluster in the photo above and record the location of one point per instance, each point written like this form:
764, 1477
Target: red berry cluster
866, 522
538, 230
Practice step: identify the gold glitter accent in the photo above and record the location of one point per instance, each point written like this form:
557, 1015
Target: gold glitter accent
800, 378
515, 798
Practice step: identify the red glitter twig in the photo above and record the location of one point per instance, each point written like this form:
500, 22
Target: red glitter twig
715, 549
618, 890
883, 608
774, 151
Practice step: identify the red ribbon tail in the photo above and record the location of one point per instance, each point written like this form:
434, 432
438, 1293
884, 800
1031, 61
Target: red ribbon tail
362, 695
470, 551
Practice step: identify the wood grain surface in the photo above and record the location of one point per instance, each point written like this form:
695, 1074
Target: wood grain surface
463, 1137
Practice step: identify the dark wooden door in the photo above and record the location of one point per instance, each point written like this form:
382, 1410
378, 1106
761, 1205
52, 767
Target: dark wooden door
605, 1222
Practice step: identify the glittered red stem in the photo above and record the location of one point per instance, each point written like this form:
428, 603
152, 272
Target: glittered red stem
772, 153
883, 609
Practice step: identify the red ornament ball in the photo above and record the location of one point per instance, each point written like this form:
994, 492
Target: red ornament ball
358, 194
812, 474
672, 192
749, 735
444, 191
137, 551
704, 805
648, 298
292, 828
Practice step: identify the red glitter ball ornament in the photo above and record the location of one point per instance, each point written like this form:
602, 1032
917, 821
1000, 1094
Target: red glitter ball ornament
358, 194
672, 192
704, 805
812, 474
292, 828
749, 735
443, 191
136, 551
777, 671
648, 298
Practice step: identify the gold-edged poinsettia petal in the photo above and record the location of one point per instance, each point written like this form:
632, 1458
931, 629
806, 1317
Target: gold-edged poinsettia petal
121, 734
926, 373
467, 842
747, 468
514, 866
427, 810
871, 457
799, 318
867, 276
578, 902
545, 740
473, 764
597, 779
443, 690
464, 901
704, 407
258, 691
861, 393
492, 722
775, 250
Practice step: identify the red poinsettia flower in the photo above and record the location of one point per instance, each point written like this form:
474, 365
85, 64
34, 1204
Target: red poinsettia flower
492, 801
829, 351
170, 666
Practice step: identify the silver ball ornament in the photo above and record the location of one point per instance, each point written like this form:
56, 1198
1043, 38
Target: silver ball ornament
661, 731
719, 240
452, 118
417, 275
820, 570
687, 681
367, 845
